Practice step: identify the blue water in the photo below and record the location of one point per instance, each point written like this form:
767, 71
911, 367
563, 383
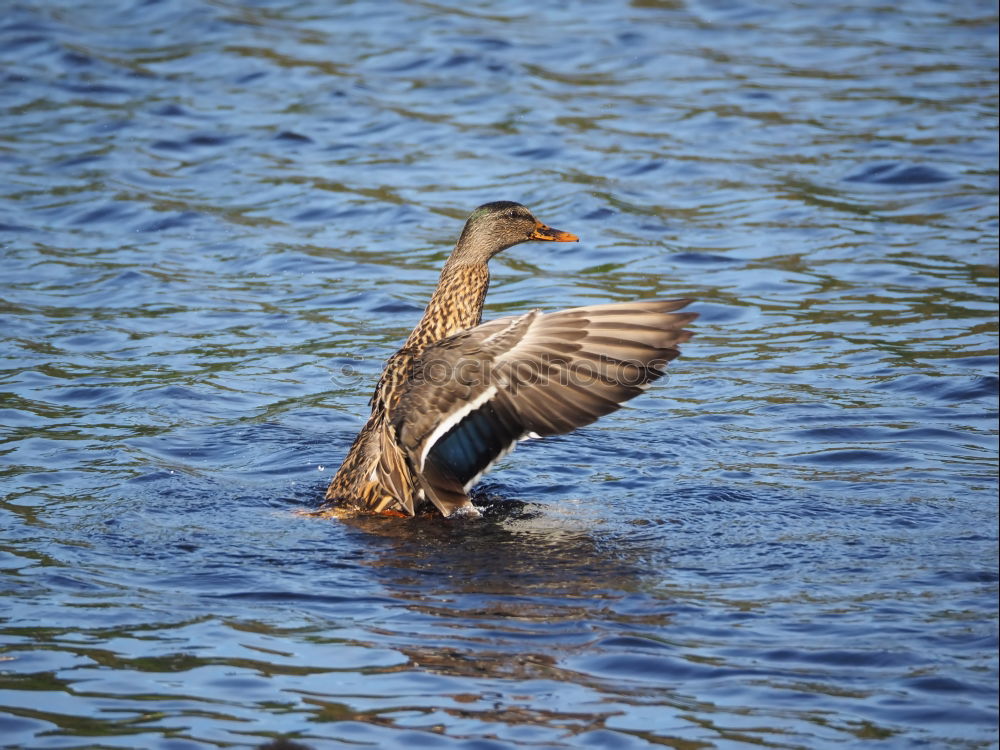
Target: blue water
218, 219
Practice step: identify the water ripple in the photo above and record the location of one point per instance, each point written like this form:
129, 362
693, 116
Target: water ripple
217, 222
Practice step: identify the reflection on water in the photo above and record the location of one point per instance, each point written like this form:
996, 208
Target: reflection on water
216, 223
516, 550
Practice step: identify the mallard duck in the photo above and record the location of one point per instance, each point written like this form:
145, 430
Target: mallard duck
460, 394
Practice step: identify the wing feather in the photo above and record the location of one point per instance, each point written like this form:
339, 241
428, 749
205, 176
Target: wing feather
535, 374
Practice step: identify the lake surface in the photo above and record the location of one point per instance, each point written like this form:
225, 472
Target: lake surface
217, 219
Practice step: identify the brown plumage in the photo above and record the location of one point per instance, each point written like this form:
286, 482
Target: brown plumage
459, 394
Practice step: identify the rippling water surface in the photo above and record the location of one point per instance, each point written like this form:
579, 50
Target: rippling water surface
217, 219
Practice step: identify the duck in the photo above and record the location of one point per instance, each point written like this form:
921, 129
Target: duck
460, 393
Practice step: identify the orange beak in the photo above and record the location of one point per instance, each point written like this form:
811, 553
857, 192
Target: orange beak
543, 232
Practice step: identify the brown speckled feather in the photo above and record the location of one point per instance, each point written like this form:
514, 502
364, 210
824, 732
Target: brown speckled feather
374, 476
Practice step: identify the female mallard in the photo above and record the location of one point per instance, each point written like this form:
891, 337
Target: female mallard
459, 395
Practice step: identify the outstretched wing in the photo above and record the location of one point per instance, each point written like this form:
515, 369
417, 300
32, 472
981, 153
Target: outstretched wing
473, 396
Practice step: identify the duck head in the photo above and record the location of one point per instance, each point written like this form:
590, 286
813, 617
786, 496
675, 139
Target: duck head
496, 226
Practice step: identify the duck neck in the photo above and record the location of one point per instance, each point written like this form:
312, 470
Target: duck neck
456, 305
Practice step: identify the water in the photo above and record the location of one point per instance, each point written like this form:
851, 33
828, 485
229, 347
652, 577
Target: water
218, 219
